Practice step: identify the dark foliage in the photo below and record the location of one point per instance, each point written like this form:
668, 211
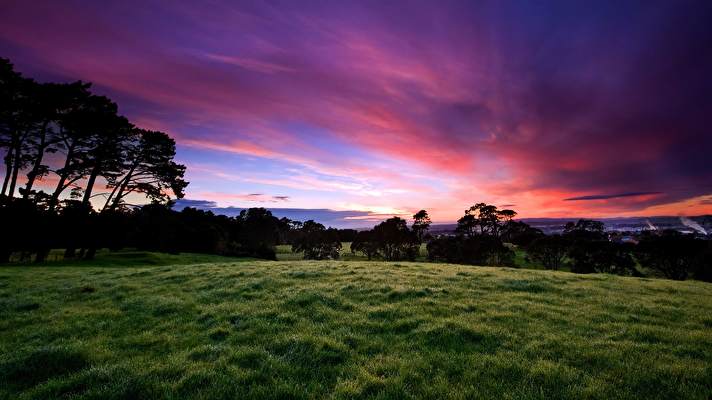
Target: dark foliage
475, 250
317, 242
550, 251
590, 250
365, 243
519, 233
675, 255
421, 224
390, 240
602, 257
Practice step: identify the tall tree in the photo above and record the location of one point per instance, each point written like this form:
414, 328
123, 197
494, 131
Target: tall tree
50, 100
16, 122
72, 140
481, 218
421, 224
109, 133
149, 170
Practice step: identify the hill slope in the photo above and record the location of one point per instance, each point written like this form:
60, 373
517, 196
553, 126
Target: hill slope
349, 330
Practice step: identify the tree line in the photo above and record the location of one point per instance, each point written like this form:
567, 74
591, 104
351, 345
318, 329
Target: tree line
486, 235
73, 142
74, 165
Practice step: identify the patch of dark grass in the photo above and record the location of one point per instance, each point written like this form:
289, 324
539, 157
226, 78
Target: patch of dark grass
218, 334
31, 367
305, 274
456, 338
307, 351
249, 358
400, 295
525, 285
308, 300
87, 289
207, 353
29, 306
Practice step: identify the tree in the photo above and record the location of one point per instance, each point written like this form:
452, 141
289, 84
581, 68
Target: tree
506, 215
585, 229
73, 141
365, 243
109, 135
475, 250
550, 251
149, 170
258, 232
467, 225
519, 233
395, 241
670, 253
317, 242
16, 122
421, 224
482, 219
600, 256
52, 102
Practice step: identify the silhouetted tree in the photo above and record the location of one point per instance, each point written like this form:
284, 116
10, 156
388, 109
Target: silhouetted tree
395, 241
519, 233
421, 224
317, 242
17, 122
109, 135
258, 232
550, 251
585, 229
149, 170
703, 264
475, 250
365, 243
670, 253
483, 219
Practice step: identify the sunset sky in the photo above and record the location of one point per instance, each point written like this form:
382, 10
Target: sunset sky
371, 109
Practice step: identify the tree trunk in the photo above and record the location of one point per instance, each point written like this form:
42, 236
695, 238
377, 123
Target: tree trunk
8, 170
15, 170
119, 190
62, 179
32, 175
90, 185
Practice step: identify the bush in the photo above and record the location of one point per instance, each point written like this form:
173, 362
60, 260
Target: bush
317, 242
602, 257
475, 250
550, 251
674, 255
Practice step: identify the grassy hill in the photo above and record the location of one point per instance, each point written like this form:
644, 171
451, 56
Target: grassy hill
346, 329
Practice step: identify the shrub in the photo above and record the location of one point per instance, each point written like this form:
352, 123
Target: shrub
550, 251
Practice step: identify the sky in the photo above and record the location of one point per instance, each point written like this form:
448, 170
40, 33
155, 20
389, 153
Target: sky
356, 111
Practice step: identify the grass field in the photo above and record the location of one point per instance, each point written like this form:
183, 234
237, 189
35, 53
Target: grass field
344, 329
284, 253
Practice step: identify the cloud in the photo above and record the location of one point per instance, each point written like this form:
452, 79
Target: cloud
248, 197
183, 203
335, 218
503, 102
611, 196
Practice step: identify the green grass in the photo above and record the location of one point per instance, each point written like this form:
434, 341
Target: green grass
284, 253
127, 258
347, 330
